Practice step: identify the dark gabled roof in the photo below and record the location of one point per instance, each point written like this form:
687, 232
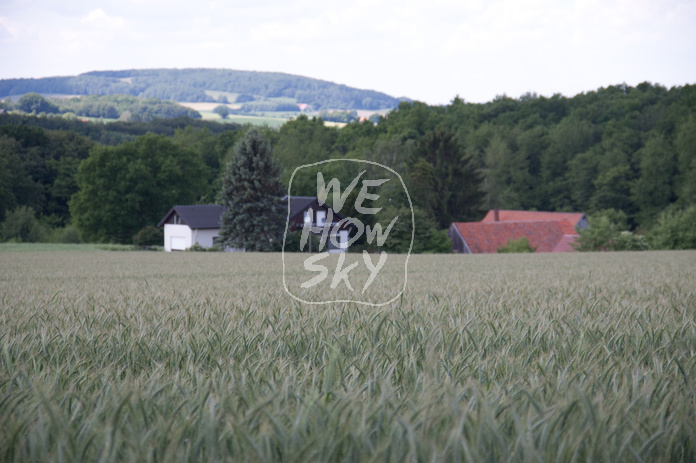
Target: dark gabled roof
200, 216
545, 236
208, 215
299, 204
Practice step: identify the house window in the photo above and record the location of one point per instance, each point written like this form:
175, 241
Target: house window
321, 218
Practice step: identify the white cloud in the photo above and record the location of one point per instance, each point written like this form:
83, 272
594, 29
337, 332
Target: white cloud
9, 28
94, 15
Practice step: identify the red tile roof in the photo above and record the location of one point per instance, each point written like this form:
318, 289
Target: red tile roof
533, 216
565, 245
544, 235
567, 227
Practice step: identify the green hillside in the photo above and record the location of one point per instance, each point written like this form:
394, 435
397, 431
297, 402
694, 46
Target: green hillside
207, 85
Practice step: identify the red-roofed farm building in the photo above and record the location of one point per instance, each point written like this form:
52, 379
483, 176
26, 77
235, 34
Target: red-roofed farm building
577, 219
545, 231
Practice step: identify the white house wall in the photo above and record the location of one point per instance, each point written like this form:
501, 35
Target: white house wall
174, 234
204, 237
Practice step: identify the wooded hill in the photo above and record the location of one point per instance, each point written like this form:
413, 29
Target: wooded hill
206, 85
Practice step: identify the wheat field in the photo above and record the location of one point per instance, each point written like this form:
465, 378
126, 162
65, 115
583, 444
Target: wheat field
142, 356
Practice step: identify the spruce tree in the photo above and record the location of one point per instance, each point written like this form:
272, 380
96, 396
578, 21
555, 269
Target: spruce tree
251, 191
444, 179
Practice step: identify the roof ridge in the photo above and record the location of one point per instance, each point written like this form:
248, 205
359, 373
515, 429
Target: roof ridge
547, 212
515, 221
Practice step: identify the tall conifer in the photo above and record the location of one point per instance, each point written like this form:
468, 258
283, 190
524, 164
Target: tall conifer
251, 190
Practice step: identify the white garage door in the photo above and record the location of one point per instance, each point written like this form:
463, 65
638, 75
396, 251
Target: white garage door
178, 243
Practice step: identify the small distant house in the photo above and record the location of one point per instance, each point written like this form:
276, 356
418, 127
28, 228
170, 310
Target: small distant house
545, 231
299, 217
185, 226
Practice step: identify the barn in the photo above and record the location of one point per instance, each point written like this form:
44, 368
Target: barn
577, 219
545, 231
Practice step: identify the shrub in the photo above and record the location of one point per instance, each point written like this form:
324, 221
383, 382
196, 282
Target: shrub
675, 229
21, 225
517, 245
292, 242
629, 241
68, 234
439, 242
198, 248
604, 232
149, 236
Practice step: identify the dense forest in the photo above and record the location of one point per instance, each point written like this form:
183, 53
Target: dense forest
624, 152
191, 85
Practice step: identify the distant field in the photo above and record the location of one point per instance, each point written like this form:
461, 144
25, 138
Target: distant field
137, 356
258, 120
231, 97
206, 106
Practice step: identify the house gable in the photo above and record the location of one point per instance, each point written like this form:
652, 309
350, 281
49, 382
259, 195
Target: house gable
298, 205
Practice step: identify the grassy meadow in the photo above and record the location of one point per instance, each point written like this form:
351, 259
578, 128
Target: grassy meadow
146, 356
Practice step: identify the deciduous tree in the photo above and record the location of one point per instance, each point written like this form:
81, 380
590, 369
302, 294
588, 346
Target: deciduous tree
124, 188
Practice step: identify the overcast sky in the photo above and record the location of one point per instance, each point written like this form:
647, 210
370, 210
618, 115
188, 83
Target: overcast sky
429, 51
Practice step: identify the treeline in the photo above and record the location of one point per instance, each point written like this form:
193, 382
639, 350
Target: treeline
266, 106
631, 149
113, 133
339, 116
123, 107
623, 153
191, 85
40, 158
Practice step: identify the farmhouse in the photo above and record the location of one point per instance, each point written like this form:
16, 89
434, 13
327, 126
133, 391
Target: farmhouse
185, 226
545, 231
